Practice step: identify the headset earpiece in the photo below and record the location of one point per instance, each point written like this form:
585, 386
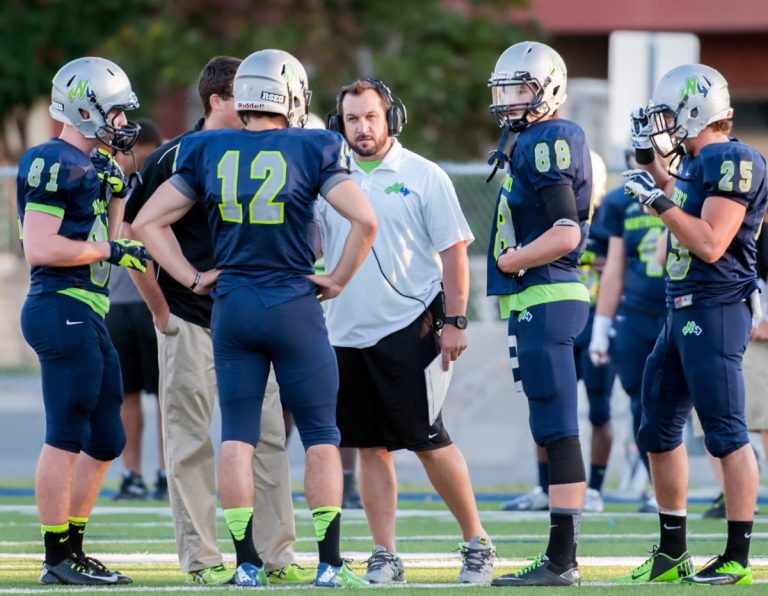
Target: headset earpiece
396, 115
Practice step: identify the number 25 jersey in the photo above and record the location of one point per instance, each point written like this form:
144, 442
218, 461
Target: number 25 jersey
737, 172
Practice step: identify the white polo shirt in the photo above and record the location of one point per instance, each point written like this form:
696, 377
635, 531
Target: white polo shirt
419, 216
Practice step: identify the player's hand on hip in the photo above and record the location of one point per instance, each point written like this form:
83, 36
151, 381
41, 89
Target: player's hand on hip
327, 287
207, 282
129, 253
601, 339
453, 342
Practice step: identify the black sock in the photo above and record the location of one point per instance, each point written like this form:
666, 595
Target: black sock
57, 545
596, 476
737, 547
328, 530
349, 482
76, 533
544, 476
242, 535
672, 531
563, 535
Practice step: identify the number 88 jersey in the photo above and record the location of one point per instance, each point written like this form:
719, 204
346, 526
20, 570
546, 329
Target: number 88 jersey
547, 153
59, 179
730, 170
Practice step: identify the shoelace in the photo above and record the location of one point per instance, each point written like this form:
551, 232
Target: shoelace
535, 562
379, 559
475, 558
94, 564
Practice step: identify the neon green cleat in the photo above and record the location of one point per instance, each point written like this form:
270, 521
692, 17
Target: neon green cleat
211, 576
660, 568
290, 574
721, 571
329, 576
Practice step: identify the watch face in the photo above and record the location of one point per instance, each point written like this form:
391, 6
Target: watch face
459, 322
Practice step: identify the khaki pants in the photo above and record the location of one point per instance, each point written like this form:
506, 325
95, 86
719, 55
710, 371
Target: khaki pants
187, 396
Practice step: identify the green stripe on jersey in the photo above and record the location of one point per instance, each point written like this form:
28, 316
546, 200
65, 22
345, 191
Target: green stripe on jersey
542, 294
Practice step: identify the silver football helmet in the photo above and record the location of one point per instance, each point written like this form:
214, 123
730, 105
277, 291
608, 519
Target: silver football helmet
527, 83
276, 82
83, 93
687, 99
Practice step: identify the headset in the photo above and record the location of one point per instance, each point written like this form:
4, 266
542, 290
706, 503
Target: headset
397, 116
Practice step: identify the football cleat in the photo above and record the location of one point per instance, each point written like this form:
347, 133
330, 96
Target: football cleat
535, 500
290, 574
74, 571
593, 501
721, 571
211, 576
249, 575
540, 572
329, 576
384, 567
659, 568
132, 488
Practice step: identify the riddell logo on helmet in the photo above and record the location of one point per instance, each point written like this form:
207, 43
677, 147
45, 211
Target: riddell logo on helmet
273, 97
249, 105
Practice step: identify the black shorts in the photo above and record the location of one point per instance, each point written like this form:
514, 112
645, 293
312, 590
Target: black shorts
383, 392
133, 334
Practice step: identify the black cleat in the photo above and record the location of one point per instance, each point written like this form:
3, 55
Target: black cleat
540, 572
721, 571
132, 488
73, 571
96, 567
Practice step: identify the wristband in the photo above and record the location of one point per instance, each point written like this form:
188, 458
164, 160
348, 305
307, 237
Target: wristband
644, 156
662, 204
198, 275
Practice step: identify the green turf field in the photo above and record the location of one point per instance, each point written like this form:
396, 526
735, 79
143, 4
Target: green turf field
138, 540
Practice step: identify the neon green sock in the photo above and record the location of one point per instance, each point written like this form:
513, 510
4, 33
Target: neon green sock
327, 530
240, 524
56, 540
76, 531
237, 520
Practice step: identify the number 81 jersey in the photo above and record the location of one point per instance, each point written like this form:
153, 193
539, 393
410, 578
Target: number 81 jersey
258, 189
737, 172
548, 153
58, 179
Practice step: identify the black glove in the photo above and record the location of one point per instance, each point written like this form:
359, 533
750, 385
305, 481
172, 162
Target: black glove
110, 171
129, 253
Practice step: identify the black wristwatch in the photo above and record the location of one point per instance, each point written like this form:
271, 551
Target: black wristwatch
459, 321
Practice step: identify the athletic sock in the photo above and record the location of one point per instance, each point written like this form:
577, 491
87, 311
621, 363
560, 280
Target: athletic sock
739, 536
76, 532
57, 543
328, 529
563, 536
240, 523
672, 531
544, 476
597, 476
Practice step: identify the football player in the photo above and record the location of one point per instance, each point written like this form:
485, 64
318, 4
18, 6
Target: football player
67, 219
258, 186
538, 233
713, 207
630, 302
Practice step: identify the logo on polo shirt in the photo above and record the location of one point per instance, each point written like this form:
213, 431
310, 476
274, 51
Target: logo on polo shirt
397, 187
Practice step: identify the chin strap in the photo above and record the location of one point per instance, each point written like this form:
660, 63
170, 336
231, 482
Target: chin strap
499, 158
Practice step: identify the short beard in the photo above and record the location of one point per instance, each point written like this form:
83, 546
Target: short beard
368, 152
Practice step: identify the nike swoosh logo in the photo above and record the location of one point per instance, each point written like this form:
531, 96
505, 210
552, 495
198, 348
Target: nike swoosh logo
432, 436
666, 527
74, 322
64, 539
748, 535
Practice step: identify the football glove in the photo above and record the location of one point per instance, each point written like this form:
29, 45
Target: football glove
641, 129
598, 345
129, 253
640, 184
110, 171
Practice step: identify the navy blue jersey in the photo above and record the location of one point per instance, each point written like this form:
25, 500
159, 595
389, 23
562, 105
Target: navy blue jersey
59, 179
644, 283
593, 257
734, 171
548, 153
259, 190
